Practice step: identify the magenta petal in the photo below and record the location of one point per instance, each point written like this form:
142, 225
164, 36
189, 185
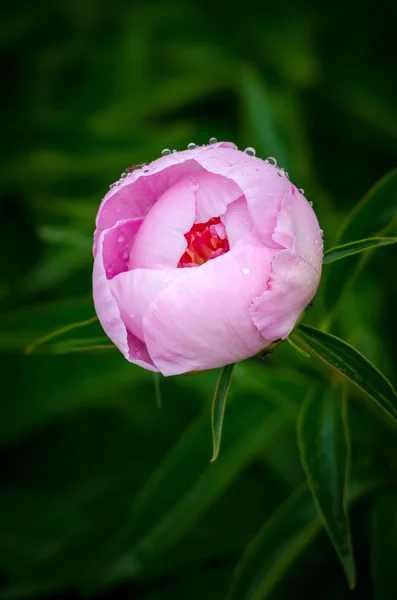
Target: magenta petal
201, 321
117, 246
160, 242
292, 284
108, 311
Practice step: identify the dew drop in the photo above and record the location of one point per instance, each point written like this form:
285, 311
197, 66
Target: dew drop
193, 185
271, 160
245, 271
138, 353
301, 191
165, 152
311, 203
250, 151
281, 172
121, 239
123, 175
146, 170
125, 254
191, 146
213, 140
174, 151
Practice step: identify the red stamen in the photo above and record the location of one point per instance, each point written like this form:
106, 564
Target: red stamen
204, 243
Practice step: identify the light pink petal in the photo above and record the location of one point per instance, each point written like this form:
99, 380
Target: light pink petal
262, 186
239, 224
201, 321
298, 229
138, 192
213, 194
108, 311
160, 242
291, 286
135, 290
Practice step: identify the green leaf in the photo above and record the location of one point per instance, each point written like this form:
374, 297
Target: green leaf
259, 121
355, 248
298, 349
218, 408
24, 327
280, 542
353, 365
169, 505
325, 454
70, 345
369, 218
384, 548
275, 547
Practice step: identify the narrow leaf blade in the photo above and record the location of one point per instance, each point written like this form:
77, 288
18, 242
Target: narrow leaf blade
372, 216
352, 248
218, 408
353, 365
59, 332
275, 547
325, 454
280, 542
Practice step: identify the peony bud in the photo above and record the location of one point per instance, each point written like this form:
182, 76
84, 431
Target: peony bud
203, 258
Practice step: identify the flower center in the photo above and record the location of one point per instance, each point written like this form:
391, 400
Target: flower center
204, 242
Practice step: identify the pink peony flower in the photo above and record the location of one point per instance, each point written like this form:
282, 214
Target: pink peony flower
203, 258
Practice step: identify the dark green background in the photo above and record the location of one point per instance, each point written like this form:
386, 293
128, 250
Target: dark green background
91, 87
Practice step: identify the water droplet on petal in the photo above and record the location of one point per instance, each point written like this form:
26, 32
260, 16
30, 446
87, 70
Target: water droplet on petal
165, 152
138, 353
250, 151
193, 185
146, 170
311, 203
120, 239
123, 175
191, 146
213, 140
271, 161
245, 271
174, 151
301, 191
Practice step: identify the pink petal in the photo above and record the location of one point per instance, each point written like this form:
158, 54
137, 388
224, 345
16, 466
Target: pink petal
160, 242
262, 186
292, 284
239, 224
213, 194
117, 246
108, 311
137, 193
201, 321
298, 229
135, 290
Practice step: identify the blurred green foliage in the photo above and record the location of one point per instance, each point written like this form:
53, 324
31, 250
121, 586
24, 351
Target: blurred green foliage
103, 493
